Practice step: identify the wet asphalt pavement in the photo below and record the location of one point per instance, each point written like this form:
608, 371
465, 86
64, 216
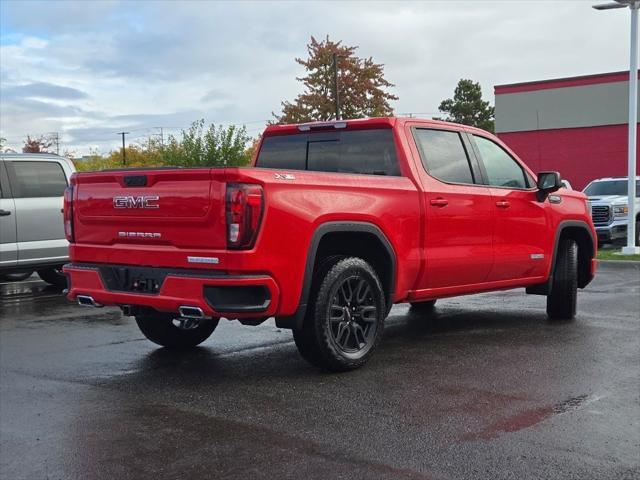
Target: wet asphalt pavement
485, 387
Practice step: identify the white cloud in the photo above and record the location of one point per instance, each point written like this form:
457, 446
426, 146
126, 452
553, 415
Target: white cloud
148, 64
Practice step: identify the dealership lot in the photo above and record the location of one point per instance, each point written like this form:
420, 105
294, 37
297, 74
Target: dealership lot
484, 388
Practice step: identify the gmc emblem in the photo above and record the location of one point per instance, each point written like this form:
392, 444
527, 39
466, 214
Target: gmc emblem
143, 201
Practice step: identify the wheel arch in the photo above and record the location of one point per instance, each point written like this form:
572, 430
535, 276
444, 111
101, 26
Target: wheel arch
579, 231
360, 239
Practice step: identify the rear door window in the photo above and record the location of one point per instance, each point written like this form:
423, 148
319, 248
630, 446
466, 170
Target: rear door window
443, 155
36, 179
371, 152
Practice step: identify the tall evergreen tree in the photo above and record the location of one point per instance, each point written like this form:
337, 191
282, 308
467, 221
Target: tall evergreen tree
467, 106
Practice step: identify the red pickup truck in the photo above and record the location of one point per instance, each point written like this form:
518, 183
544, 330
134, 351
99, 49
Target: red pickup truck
332, 224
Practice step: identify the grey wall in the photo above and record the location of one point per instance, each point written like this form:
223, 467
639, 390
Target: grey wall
568, 107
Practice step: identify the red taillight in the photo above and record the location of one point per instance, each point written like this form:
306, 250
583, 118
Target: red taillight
68, 213
244, 207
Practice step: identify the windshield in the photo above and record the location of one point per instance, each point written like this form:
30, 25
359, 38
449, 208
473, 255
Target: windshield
609, 187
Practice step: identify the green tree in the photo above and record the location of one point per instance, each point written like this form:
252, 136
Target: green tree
194, 147
361, 85
213, 146
467, 106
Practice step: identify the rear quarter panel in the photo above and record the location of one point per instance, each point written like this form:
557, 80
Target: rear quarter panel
296, 207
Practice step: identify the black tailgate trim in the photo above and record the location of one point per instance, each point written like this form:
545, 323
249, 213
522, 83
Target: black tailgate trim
122, 278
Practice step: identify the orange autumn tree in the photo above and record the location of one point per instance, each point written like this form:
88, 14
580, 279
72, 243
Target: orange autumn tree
361, 85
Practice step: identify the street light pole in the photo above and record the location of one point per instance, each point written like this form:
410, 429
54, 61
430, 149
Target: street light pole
631, 248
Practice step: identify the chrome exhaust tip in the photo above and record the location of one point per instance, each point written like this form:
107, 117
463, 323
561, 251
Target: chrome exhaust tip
87, 301
187, 311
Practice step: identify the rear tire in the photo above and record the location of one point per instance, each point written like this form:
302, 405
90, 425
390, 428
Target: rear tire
637, 233
561, 302
345, 318
159, 327
54, 276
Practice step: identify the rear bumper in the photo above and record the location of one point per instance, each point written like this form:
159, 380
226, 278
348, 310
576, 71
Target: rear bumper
216, 293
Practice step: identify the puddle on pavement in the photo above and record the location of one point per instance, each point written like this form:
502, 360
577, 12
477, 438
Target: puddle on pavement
528, 418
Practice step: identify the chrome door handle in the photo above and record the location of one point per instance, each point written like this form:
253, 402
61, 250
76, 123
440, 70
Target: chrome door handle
439, 202
503, 204
4, 213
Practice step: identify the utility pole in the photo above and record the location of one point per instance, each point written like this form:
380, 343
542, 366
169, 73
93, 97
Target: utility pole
335, 86
56, 138
161, 138
124, 154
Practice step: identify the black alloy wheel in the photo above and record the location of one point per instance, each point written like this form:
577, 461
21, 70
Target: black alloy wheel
353, 315
344, 321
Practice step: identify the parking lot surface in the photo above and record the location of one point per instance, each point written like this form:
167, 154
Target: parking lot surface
485, 387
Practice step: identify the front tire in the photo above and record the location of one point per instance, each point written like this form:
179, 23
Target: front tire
345, 319
561, 302
164, 329
15, 277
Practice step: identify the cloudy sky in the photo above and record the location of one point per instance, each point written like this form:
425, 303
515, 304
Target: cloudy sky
91, 69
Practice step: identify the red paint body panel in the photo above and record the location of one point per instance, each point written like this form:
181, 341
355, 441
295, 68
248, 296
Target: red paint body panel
579, 154
521, 229
462, 247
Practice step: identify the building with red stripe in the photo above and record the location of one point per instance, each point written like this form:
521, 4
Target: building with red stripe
577, 125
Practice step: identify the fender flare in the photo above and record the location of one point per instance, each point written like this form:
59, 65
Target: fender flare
295, 321
545, 288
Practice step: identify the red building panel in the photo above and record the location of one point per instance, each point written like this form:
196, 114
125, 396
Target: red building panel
579, 154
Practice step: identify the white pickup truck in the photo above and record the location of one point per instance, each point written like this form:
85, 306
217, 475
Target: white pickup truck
610, 208
31, 225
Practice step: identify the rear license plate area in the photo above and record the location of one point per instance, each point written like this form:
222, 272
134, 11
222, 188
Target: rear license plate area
133, 279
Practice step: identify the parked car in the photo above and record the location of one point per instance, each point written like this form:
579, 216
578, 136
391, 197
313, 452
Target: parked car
334, 223
31, 229
610, 208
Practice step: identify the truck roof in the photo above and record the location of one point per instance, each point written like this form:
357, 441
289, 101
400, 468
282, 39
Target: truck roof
32, 156
608, 179
360, 123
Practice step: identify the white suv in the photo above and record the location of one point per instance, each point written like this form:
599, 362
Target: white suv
31, 226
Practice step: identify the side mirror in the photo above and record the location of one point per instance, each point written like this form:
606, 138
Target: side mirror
547, 182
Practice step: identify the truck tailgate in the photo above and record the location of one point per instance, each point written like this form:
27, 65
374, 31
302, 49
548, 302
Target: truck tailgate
182, 208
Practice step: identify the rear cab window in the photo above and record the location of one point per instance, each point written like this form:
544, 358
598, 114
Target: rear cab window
368, 152
36, 179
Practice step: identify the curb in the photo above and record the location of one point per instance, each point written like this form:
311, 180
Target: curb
619, 263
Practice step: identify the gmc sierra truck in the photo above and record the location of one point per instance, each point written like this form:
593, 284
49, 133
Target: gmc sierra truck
610, 208
332, 224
